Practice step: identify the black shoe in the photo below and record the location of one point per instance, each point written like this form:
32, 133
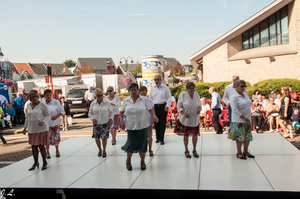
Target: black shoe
187, 155
44, 167
104, 155
151, 153
243, 157
48, 157
100, 154
162, 142
157, 141
195, 154
33, 167
128, 166
249, 156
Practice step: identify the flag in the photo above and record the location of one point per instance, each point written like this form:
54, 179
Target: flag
168, 72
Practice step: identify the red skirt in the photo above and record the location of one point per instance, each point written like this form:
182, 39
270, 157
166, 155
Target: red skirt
36, 139
182, 130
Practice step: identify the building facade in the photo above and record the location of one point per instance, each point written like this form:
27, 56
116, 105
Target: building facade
264, 46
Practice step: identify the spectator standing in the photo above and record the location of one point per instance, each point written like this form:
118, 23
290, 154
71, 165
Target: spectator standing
293, 94
24, 95
277, 99
257, 115
136, 107
255, 94
143, 92
161, 96
114, 101
102, 114
203, 115
189, 107
286, 111
229, 90
38, 116
273, 94
19, 105
9, 114
66, 108
240, 129
89, 96
216, 107
56, 111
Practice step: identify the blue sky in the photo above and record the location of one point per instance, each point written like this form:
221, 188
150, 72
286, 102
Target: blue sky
56, 30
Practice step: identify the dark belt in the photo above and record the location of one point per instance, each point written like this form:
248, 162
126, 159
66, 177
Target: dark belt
216, 109
160, 104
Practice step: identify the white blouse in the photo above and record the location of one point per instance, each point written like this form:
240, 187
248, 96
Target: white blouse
102, 113
189, 105
34, 116
55, 108
240, 106
136, 113
116, 102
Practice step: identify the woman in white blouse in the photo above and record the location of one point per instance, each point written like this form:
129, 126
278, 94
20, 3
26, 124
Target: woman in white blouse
101, 113
136, 107
240, 127
54, 123
189, 107
114, 101
36, 123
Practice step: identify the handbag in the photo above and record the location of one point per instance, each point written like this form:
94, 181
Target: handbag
70, 120
274, 114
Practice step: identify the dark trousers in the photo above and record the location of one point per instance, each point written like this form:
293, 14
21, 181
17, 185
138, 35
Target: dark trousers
160, 127
215, 120
257, 120
20, 116
2, 138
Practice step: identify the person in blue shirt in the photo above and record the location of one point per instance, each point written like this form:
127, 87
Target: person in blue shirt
19, 105
9, 114
216, 107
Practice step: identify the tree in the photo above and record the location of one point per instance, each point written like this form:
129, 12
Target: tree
84, 69
177, 69
137, 69
70, 63
110, 70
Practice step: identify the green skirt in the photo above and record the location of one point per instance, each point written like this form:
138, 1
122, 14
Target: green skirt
137, 141
240, 132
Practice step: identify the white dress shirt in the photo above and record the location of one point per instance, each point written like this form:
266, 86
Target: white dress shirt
161, 95
240, 106
189, 105
229, 90
102, 113
205, 108
116, 102
90, 95
39, 114
55, 108
149, 116
136, 113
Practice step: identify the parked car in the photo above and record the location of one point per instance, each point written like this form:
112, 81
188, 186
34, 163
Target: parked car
75, 100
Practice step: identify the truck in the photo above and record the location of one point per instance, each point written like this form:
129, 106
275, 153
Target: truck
103, 81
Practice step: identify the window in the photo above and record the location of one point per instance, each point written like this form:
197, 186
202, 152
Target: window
272, 31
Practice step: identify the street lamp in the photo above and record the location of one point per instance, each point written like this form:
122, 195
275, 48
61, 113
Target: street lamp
1, 56
126, 62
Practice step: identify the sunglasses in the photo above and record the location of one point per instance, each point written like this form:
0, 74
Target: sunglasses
99, 95
156, 79
243, 86
109, 90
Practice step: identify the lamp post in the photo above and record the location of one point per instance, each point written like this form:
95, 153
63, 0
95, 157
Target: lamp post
1, 56
126, 64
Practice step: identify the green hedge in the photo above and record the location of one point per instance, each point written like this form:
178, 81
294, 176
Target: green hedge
263, 87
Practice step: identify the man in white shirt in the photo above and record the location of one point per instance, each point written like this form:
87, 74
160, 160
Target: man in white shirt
203, 115
229, 90
89, 96
161, 97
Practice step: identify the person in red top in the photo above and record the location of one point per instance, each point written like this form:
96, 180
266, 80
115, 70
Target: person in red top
293, 94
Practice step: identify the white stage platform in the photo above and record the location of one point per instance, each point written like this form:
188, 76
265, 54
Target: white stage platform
274, 169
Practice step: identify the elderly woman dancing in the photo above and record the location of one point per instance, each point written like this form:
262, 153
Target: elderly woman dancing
36, 122
189, 107
56, 111
101, 113
136, 107
114, 101
240, 127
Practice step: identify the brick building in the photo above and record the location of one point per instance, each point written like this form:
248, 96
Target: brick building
264, 46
